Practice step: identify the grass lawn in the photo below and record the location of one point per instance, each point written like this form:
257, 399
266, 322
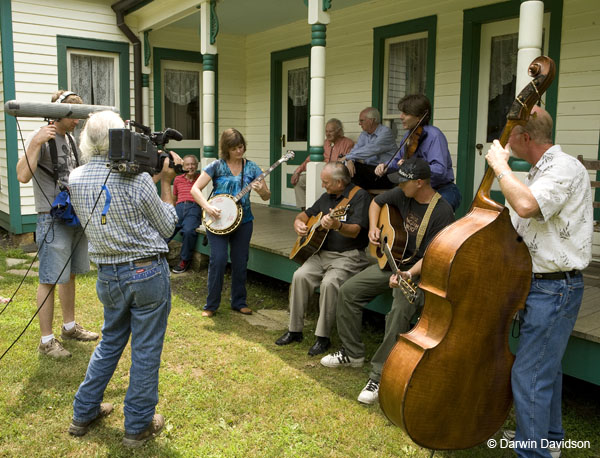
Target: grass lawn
225, 388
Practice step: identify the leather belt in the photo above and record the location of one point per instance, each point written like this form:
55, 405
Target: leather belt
138, 262
556, 275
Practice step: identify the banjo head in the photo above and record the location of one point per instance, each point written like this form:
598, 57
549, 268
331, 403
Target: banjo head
231, 215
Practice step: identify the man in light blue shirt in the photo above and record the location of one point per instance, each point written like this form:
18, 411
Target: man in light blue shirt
375, 145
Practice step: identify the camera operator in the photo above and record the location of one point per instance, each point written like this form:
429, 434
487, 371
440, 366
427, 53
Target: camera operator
127, 232
55, 239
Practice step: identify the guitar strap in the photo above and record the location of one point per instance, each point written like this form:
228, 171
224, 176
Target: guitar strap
346, 200
424, 224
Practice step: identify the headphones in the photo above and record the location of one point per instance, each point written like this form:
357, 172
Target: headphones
63, 96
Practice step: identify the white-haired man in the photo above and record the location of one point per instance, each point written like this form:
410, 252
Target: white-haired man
127, 227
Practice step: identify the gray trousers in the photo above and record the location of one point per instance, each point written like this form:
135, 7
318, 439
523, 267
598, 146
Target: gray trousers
300, 190
353, 296
327, 270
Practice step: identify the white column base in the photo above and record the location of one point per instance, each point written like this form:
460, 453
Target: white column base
313, 182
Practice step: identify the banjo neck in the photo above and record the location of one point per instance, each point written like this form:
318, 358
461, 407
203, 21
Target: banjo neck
246, 189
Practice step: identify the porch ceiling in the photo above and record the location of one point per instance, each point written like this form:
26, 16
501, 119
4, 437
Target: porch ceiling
236, 17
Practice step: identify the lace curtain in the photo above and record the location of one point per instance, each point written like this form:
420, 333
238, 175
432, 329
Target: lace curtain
503, 70
181, 86
298, 86
503, 63
93, 79
407, 71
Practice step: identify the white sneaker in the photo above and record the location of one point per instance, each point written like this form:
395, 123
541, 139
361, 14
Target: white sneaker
370, 393
341, 359
509, 435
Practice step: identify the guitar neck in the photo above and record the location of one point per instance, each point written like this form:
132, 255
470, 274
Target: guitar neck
390, 259
246, 189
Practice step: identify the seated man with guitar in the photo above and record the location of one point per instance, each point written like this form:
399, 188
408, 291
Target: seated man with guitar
340, 256
427, 142
418, 214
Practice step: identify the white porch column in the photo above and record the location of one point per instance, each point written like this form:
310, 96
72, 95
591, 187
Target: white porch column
531, 23
209, 27
318, 19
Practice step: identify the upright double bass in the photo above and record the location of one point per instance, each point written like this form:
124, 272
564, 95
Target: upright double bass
446, 383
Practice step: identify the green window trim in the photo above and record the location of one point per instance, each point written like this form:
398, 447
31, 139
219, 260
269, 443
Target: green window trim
160, 54
63, 43
426, 24
474, 18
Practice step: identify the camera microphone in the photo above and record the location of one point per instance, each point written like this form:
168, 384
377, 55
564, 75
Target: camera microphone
50, 110
174, 134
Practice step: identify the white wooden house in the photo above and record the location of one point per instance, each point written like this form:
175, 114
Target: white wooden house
277, 69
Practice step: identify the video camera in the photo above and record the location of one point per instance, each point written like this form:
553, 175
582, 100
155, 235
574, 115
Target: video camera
134, 152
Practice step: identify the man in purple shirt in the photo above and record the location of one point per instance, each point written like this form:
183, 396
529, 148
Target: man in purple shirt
432, 146
375, 145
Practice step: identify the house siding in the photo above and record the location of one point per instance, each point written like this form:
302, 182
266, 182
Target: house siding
4, 206
35, 29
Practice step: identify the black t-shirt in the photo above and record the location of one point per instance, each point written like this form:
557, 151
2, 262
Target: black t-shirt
412, 213
358, 213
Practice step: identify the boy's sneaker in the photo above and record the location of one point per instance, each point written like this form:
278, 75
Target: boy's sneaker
181, 267
153, 429
370, 393
341, 359
78, 332
54, 349
80, 428
509, 435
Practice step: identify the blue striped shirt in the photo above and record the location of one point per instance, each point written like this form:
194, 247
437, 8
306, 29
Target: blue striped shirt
137, 221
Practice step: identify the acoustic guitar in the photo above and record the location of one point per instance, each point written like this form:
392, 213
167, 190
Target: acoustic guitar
312, 242
393, 234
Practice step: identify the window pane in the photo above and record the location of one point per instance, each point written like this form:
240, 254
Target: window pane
503, 71
297, 127
182, 102
407, 71
93, 79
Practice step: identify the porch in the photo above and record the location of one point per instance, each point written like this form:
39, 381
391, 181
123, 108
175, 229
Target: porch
274, 237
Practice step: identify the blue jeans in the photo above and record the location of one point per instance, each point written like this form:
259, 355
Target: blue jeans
137, 301
546, 324
239, 242
189, 215
451, 194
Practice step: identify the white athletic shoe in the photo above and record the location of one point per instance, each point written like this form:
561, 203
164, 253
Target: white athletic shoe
370, 393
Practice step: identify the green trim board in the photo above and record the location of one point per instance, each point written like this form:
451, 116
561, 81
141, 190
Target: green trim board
14, 222
380, 34
277, 59
63, 43
473, 19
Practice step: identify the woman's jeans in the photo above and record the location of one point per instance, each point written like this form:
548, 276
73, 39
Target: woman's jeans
546, 324
239, 243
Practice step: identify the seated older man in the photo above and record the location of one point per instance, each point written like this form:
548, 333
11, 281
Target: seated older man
335, 148
375, 145
342, 254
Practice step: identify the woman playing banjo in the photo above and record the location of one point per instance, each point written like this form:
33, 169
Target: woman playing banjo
229, 175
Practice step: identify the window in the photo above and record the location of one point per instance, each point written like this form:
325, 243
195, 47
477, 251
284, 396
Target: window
405, 70
93, 76
182, 102
297, 106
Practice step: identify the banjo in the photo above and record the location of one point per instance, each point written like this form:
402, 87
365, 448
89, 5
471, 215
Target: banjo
231, 210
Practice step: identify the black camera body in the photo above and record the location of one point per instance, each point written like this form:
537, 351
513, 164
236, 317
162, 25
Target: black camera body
134, 152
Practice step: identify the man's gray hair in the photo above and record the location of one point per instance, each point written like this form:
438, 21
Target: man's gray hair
339, 127
539, 126
373, 113
339, 171
94, 138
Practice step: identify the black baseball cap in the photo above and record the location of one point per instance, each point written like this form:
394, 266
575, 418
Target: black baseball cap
414, 168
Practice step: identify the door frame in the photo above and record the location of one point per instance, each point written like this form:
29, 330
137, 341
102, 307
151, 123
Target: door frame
277, 59
472, 21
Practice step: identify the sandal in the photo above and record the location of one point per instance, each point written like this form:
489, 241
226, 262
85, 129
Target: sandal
245, 311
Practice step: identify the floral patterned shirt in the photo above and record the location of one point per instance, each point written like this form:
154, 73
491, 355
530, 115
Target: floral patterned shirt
560, 238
